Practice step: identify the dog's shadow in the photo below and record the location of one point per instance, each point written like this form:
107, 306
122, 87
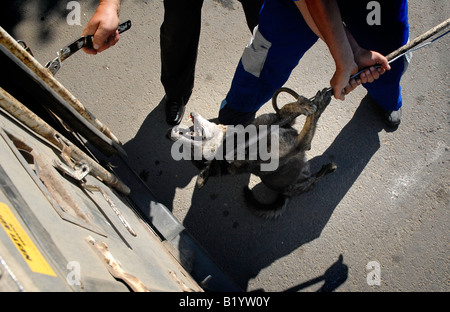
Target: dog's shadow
243, 244
239, 242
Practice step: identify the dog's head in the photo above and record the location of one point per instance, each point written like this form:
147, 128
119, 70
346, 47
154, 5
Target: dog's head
200, 143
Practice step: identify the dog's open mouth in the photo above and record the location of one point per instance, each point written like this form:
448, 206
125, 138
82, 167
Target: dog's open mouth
198, 129
196, 132
203, 133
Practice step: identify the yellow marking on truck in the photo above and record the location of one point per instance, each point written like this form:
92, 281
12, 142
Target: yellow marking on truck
23, 242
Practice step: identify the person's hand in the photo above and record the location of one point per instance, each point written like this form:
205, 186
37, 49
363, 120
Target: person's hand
103, 25
368, 59
340, 82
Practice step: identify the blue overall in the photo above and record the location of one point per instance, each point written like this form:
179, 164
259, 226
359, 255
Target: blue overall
283, 37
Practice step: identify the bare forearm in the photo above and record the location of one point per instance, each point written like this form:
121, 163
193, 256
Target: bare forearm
308, 18
115, 3
328, 22
324, 19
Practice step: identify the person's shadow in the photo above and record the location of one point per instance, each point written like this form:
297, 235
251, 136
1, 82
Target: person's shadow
13, 12
333, 277
239, 242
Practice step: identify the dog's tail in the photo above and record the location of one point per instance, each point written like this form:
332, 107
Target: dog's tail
268, 211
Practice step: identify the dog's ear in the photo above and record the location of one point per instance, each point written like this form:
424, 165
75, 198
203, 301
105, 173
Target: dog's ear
204, 174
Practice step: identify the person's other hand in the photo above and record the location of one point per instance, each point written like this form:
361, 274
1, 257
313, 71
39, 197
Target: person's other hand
368, 59
103, 25
340, 82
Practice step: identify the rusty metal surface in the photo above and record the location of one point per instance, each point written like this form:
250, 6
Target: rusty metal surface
22, 113
124, 261
101, 249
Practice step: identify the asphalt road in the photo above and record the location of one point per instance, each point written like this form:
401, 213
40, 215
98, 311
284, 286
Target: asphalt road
379, 223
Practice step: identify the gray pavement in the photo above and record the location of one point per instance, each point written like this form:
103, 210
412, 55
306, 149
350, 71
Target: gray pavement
387, 205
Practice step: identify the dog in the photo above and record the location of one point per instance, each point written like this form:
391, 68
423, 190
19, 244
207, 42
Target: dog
204, 144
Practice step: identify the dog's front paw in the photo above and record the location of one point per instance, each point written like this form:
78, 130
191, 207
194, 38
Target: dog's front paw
322, 99
326, 169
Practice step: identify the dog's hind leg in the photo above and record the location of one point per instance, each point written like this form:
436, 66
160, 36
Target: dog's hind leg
307, 184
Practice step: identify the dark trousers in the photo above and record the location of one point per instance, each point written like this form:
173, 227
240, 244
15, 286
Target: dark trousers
179, 37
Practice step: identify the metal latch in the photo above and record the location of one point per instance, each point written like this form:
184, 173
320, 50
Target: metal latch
83, 42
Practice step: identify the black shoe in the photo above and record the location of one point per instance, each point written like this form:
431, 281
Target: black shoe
174, 110
393, 118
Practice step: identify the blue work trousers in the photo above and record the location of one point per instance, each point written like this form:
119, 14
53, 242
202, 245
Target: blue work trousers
282, 38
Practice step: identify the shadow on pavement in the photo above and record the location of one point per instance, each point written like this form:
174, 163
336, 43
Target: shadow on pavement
13, 12
333, 277
239, 242
244, 244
